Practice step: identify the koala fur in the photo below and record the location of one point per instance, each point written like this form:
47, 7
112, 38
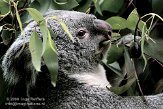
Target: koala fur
81, 80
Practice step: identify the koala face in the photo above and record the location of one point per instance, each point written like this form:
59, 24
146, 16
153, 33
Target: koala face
90, 35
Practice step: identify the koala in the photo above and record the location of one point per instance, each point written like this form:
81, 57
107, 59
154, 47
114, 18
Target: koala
81, 82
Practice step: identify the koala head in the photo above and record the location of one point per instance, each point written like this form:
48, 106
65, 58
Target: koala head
89, 33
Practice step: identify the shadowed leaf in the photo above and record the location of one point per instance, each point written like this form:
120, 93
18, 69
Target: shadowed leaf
35, 47
112, 5
51, 60
65, 5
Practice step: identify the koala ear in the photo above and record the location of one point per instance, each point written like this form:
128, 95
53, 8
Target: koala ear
17, 65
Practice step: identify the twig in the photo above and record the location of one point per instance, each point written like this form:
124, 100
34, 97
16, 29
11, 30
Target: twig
137, 80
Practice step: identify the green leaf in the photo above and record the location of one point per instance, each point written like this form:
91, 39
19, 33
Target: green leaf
64, 5
61, 2
18, 17
129, 65
141, 24
129, 69
4, 7
117, 22
51, 43
114, 53
112, 5
119, 90
44, 30
35, 47
114, 73
132, 20
84, 6
41, 5
97, 5
6, 36
51, 60
36, 15
159, 86
116, 68
154, 49
36, 6
142, 45
78, 1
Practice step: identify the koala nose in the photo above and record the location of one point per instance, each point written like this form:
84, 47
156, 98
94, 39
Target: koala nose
104, 27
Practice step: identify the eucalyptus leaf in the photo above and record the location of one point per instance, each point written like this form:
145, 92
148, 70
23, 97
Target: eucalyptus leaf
112, 5
18, 17
26, 18
69, 4
97, 5
51, 60
61, 2
41, 5
132, 20
44, 30
6, 1
129, 67
35, 47
141, 24
51, 43
159, 86
142, 45
36, 15
78, 1
154, 49
84, 6
119, 90
4, 7
117, 22
114, 53
6, 36
116, 68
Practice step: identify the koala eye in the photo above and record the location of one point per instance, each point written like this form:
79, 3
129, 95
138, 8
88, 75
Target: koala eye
109, 33
82, 33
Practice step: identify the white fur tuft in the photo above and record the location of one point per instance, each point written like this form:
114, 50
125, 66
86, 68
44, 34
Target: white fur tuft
96, 78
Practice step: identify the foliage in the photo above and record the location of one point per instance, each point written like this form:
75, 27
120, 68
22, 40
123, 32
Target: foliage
131, 60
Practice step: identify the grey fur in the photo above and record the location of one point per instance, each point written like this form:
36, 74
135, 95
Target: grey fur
74, 58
